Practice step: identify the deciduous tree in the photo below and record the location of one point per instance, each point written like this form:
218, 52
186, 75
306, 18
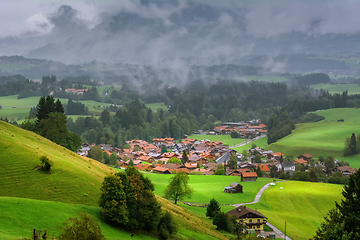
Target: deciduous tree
178, 187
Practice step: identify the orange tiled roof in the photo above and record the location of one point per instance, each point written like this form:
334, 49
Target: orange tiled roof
249, 174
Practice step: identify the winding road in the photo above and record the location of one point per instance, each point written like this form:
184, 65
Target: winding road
256, 200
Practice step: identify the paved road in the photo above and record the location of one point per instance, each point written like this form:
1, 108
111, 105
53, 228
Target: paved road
247, 142
256, 200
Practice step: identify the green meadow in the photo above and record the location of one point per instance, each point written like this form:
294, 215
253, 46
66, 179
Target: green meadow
208, 187
303, 205
226, 139
338, 88
262, 143
326, 137
31, 198
261, 78
157, 106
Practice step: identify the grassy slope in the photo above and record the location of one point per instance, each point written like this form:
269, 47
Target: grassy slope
226, 139
326, 137
302, 205
74, 180
262, 142
156, 106
338, 88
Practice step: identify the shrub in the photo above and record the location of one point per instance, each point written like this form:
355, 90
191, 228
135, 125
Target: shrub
46, 164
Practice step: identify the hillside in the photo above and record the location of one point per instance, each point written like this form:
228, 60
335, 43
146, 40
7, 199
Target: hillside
72, 188
326, 137
74, 179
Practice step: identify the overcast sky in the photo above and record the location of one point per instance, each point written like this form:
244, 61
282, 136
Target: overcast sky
226, 19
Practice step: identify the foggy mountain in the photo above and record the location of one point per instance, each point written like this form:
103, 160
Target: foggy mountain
200, 32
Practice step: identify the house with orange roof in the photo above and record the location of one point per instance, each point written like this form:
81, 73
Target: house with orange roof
161, 170
277, 155
143, 167
146, 158
248, 176
306, 156
185, 170
300, 161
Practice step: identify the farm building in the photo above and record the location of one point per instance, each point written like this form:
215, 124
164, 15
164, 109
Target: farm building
234, 188
306, 157
248, 176
253, 219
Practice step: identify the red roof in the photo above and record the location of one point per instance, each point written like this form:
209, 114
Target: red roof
249, 174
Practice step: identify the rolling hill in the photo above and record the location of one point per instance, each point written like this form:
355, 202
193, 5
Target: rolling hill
30, 197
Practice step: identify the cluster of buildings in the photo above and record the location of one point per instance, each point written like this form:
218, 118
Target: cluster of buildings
244, 129
76, 91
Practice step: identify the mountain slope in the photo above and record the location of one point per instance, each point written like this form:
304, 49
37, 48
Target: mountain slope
74, 179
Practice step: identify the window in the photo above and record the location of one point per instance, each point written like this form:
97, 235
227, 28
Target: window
258, 220
258, 226
250, 221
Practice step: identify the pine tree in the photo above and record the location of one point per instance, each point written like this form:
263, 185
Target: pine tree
213, 208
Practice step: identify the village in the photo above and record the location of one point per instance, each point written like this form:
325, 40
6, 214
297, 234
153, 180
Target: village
203, 157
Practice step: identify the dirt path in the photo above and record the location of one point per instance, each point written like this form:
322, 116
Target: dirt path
247, 142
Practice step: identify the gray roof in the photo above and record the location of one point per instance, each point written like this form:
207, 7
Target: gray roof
224, 158
288, 164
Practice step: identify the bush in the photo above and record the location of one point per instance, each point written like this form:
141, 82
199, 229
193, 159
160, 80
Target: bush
46, 164
221, 221
167, 226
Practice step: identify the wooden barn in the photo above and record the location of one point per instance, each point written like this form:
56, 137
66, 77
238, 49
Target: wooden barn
234, 188
248, 176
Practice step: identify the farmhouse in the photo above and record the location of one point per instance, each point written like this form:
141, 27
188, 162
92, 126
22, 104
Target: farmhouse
248, 176
306, 156
253, 219
300, 161
234, 188
288, 167
346, 170
162, 170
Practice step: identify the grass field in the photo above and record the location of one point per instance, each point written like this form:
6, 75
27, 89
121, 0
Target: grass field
226, 139
23, 106
354, 161
208, 187
102, 89
31, 198
303, 205
156, 106
321, 138
338, 88
262, 78
262, 142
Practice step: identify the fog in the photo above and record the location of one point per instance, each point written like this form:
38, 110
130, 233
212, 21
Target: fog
176, 33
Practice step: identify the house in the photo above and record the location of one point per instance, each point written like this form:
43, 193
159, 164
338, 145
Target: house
248, 176
300, 161
162, 170
234, 188
253, 219
288, 167
306, 157
346, 170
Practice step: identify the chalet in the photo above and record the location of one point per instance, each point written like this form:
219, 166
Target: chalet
233, 172
300, 161
276, 155
264, 168
346, 170
253, 219
234, 188
248, 176
185, 170
143, 167
306, 157
161, 170
194, 158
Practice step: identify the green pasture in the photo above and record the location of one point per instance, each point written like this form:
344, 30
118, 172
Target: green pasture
226, 139
262, 143
208, 187
261, 78
15, 109
350, 115
103, 89
10, 67
326, 137
303, 205
74, 179
354, 161
338, 88
157, 106
20, 215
